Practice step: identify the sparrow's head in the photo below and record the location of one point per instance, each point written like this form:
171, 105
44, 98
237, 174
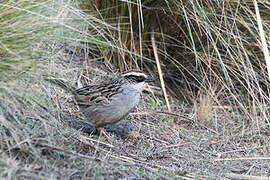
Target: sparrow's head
137, 79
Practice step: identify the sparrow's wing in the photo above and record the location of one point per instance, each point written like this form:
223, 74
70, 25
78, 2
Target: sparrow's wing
96, 94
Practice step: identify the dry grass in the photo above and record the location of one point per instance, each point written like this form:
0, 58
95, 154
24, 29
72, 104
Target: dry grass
225, 132
204, 108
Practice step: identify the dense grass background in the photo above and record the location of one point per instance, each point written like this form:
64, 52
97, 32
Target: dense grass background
213, 65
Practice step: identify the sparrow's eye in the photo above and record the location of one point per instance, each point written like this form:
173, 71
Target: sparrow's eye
140, 79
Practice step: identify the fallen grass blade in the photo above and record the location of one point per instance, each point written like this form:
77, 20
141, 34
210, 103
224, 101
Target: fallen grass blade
246, 177
243, 159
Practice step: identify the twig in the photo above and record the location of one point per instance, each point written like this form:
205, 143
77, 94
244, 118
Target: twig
153, 89
160, 112
246, 177
242, 159
177, 145
80, 138
66, 151
242, 149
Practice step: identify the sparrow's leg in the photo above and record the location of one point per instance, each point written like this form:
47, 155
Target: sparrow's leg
102, 131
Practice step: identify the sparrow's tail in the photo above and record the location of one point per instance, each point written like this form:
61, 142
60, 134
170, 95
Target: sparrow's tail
63, 84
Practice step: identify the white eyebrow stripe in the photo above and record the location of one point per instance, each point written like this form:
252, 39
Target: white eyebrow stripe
135, 74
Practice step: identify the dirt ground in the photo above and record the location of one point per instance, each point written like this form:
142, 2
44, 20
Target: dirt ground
163, 147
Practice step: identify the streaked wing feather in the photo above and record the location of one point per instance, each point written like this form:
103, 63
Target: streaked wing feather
96, 94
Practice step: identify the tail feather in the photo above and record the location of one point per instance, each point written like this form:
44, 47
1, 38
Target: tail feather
63, 84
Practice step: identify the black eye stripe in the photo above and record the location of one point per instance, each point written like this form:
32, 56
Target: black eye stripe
135, 78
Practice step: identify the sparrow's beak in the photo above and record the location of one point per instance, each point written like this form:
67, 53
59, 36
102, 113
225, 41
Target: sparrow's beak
150, 79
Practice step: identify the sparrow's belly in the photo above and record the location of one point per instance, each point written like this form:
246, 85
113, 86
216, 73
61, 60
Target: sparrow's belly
101, 116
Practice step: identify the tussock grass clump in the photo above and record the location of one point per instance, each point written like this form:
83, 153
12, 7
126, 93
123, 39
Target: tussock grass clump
127, 27
201, 45
21, 30
225, 52
27, 30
